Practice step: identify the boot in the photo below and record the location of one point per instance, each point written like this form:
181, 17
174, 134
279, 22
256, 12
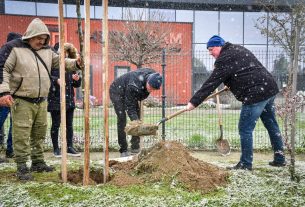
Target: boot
57, 152
9, 154
23, 172
72, 152
41, 167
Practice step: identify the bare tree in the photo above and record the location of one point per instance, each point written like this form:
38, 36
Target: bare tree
288, 30
140, 42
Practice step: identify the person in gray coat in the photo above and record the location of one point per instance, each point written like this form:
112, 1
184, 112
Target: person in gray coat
25, 66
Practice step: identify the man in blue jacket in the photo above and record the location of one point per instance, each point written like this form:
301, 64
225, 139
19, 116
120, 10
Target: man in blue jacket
254, 86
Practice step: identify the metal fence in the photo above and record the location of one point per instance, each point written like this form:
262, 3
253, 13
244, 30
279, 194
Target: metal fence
199, 128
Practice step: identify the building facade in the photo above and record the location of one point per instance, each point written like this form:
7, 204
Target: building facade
195, 21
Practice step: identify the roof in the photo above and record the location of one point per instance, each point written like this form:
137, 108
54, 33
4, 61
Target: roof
229, 5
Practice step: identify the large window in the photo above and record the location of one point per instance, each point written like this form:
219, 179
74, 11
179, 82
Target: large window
166, 15
45, 9
184, 16
135, 14
113, 12
71, 11
20, 7
206, 25
231, 26
252, 34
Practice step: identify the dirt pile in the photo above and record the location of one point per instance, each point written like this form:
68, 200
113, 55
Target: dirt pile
172, 163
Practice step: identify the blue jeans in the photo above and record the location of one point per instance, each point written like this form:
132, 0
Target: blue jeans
4, 111
248, 118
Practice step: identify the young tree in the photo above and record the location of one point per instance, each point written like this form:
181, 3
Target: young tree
288, 31
141, 41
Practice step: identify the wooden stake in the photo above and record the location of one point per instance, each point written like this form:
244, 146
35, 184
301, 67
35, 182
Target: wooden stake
62, 93
105, 90
87, 93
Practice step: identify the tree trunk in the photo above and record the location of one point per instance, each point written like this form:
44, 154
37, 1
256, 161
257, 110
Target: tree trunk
293, 93
81, 41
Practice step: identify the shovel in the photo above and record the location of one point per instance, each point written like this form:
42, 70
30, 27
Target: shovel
137, 128
222, 144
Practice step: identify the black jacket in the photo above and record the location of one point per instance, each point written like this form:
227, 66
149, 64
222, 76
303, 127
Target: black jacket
131, 88
54, 92
241, 71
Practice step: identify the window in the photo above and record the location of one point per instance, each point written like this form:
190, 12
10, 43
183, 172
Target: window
135, 14
115, 12
44, 9
206, 25
252, 34
120, 70
231, 27
71, 11
20, 7
164, 15
184, 16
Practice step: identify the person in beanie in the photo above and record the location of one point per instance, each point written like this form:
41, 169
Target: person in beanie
254, 86
72, 81
125, 93
4, 111
25, 65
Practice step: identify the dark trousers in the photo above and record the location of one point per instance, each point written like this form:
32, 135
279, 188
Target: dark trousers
55, 115
120, 110
4, 111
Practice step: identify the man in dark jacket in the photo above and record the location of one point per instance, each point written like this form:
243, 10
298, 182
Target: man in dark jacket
254, 86
125, 93
4, 111
72, 81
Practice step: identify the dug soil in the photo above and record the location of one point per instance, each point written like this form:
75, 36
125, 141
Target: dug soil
166, 162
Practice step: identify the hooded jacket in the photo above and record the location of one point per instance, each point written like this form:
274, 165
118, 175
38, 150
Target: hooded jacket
241, 71
21, 73
131, 88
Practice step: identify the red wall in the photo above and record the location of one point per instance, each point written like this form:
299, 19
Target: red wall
178, 68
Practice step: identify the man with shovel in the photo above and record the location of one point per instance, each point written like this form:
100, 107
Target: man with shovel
125, 93
254, 86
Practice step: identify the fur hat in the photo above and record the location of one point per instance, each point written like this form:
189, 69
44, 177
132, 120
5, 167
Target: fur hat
215, 41
155, 80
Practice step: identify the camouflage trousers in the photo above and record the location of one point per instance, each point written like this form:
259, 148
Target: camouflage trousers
29, 130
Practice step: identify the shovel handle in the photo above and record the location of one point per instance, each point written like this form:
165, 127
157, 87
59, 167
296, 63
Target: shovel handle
217, 93
172, 116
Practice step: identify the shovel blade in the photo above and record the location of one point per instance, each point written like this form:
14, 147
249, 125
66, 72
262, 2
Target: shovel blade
223, 146
137, 128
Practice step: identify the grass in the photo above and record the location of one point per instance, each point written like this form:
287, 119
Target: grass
265, 186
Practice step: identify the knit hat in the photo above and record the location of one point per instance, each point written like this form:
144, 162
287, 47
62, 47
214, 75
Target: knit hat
12, 35
155, 80
215, 41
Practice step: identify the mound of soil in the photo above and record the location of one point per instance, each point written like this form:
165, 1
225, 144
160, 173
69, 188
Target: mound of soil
171, 162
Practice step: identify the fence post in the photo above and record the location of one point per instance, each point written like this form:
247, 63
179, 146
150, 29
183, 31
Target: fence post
163, 92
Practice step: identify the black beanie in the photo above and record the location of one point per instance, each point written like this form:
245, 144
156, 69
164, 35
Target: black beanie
155, 80
12, 35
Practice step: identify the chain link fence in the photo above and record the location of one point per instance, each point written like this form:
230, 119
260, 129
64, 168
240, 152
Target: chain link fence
197, 129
